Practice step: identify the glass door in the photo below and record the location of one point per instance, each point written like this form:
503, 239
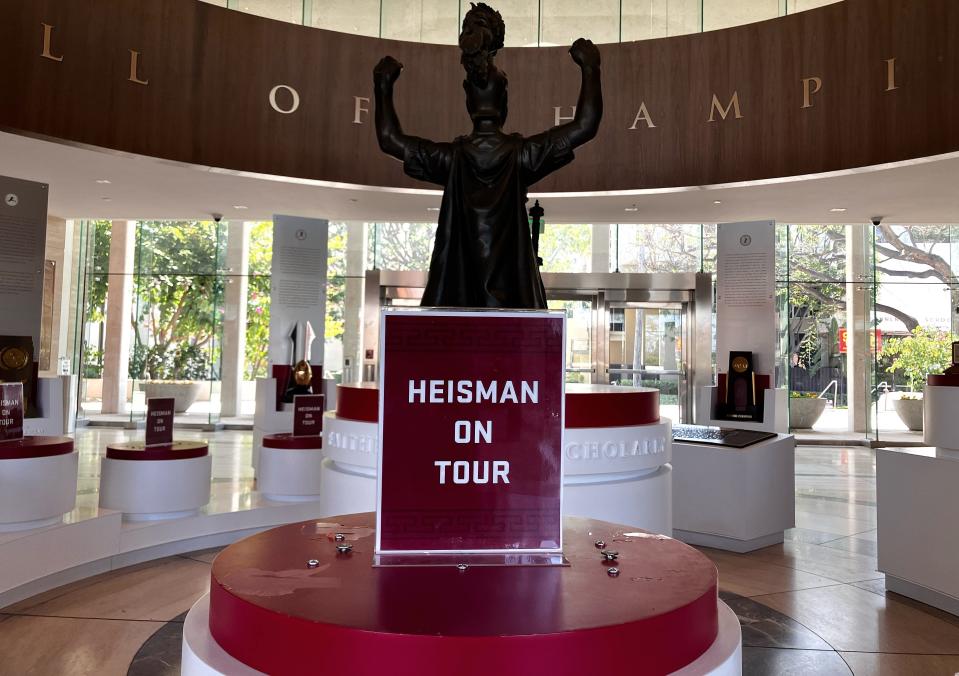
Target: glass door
580, 365
648, 348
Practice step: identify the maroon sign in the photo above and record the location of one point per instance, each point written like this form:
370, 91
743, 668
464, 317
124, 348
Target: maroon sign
160, 421
11, 411
307, 415
471, 426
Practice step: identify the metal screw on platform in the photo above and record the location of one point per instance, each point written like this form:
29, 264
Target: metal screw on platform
609, 555
612, 572
344, 549
461, 566
599, 544
312, 563
339, 537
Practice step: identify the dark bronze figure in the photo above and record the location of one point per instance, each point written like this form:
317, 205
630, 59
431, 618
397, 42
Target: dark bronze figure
483, 256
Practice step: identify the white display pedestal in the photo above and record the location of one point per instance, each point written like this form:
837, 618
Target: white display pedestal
620, 474
53, 399
917, 507
266, 419
348, 473
290, 468
146, 490
940, 409
731, 498
775, 411
37, 492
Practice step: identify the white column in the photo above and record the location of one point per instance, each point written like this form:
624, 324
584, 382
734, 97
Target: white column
116, 351
600, 248
234, 317
356, 249
857, 338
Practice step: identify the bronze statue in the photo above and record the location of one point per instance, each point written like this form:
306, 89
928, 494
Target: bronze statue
483, 256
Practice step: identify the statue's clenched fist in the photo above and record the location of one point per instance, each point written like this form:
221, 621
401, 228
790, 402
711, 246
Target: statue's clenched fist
387, 70
585, 53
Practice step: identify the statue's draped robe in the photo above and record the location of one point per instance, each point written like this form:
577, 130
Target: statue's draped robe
483, 255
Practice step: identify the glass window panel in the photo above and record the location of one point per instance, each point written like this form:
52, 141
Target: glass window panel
422, 20
360, 17
793, 6
669, 247
817, 253
646, 19
566, 247
726, 13
563, 21
403, 246
290, 11
522, 21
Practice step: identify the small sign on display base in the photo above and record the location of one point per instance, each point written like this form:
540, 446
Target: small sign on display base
159, 427
11, 411
471, 437
307, 415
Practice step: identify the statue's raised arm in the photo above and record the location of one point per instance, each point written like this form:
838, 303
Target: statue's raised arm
589, 107
389, 133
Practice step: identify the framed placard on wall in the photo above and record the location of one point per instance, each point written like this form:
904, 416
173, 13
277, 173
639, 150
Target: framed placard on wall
471, 432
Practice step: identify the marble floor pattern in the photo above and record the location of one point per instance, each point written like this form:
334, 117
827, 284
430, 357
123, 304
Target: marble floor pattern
812, 605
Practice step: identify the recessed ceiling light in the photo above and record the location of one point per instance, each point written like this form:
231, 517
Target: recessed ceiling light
717, 202
632, 208
106, 199
432, 208
239, 207
838, 210
103, 181
353, 199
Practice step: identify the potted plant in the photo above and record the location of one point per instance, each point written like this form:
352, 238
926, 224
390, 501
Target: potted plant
178, 371
925, 351
805, 409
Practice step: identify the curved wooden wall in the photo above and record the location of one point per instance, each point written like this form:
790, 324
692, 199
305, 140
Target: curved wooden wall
885, 90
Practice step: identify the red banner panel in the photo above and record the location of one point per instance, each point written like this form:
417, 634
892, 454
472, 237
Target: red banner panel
159, 421
471, 427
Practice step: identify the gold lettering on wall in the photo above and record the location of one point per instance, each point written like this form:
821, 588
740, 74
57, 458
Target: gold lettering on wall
559, 118
358, 108
294, 104
723, 112
891, 75
808, 91
47, 39
643, 115
134, 67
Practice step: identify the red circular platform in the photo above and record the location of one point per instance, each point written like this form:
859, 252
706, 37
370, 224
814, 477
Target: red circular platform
138, 450
286, 440
586, 405
35, 447
943, 380
358, 401
273, 612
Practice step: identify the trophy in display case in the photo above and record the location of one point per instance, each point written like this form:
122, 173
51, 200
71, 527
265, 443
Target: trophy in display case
301, 377
741, 402
18, 366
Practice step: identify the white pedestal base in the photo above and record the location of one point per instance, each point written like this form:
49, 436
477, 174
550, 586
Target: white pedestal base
641, 499
939, 408
290, 474
37, 492
155, 489
346, 489
917, 503
202, 655
775, 411
734, 499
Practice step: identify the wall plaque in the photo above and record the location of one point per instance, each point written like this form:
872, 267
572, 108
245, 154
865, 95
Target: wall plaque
471, 435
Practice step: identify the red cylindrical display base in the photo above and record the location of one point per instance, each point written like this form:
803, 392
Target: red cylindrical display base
286, 598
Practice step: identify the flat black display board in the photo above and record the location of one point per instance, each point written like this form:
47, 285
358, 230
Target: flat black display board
719, 436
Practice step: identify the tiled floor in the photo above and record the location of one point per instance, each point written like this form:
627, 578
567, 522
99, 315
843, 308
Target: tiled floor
813, 605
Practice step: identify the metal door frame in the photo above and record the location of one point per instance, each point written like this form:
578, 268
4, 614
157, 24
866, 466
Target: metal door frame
695, 290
